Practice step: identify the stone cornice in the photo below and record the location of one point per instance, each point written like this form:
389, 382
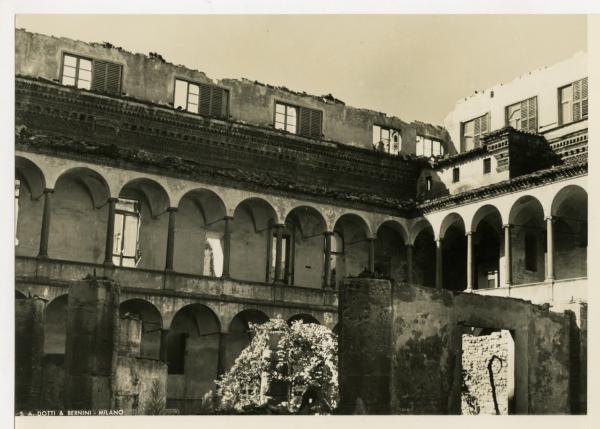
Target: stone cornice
538, 178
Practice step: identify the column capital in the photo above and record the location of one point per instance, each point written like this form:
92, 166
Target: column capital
550, 218
330, 233
48, 190
278, 225
371, 238
409, 245
112, 199
172, 209
506, 225
227, 217
468, 233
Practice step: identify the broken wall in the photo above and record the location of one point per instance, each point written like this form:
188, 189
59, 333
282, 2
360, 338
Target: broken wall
413, 334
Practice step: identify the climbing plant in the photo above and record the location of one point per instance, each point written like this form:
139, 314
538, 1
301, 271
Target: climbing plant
297, 357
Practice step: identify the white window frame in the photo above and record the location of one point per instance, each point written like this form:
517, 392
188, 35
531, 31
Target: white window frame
290, 121
119, 258
78, 80
388, 139
427, 146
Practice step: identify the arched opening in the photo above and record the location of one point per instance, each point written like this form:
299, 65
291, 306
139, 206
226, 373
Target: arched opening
488, 250
141, 224
454, 253
239, 335
192, 356
79, 215
55, 328
353, 259
251, 240
199, 232
305, 318
570, 212
390, 251
528, 241
304, 227
151, 321
424, 257
29, 206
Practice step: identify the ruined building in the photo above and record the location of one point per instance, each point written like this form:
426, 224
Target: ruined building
194, 207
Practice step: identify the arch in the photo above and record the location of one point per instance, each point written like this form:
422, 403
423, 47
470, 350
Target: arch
528, 240
303, 257
55, 326
192, 355
199, 232
570, 225
152, 192
424, 254
92, 181
239, 336
356, 220
152, 325
450, 220
417, 227
304, 317
30, 175
454, 252
79, 213
29, 206
523, 207
390, 251
251, 231
489, 212
488, 250
354, 259
396, 226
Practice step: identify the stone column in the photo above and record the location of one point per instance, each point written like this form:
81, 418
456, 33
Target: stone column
438, 264
110, 232
222, 353
327, 265
409, 263
469, 261
226, 246
278, 253
550, 248
507, 256
43, 253
171, 239
371, 242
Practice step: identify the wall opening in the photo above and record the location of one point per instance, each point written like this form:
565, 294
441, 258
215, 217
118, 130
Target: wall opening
488, 371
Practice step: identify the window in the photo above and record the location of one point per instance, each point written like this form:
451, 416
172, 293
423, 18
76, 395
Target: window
429, 147
176, 348
530, 251
573, 101
204, 99
428, 183
126, 234
523, 115
455, 174
286, 117
91, 74
298, 120
337, 249
487, 165
473, 130
387, 140
286, 266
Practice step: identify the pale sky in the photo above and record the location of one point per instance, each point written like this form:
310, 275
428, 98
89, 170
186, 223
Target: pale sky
410, 66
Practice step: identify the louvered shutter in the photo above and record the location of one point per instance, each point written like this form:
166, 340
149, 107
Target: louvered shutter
106, 77
577, 100
584, 98
205, 96
529, 115
310, 123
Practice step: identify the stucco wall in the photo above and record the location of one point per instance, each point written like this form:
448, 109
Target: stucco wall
543, 83
153, 80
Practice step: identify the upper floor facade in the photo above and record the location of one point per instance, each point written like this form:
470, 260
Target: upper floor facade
113, 71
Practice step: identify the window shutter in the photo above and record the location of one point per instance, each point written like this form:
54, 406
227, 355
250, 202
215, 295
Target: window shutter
315, 124
577, 100
529, 115
525, 115
205, 96
310, 122
99, 76
106, 77
218, 105
584, 98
